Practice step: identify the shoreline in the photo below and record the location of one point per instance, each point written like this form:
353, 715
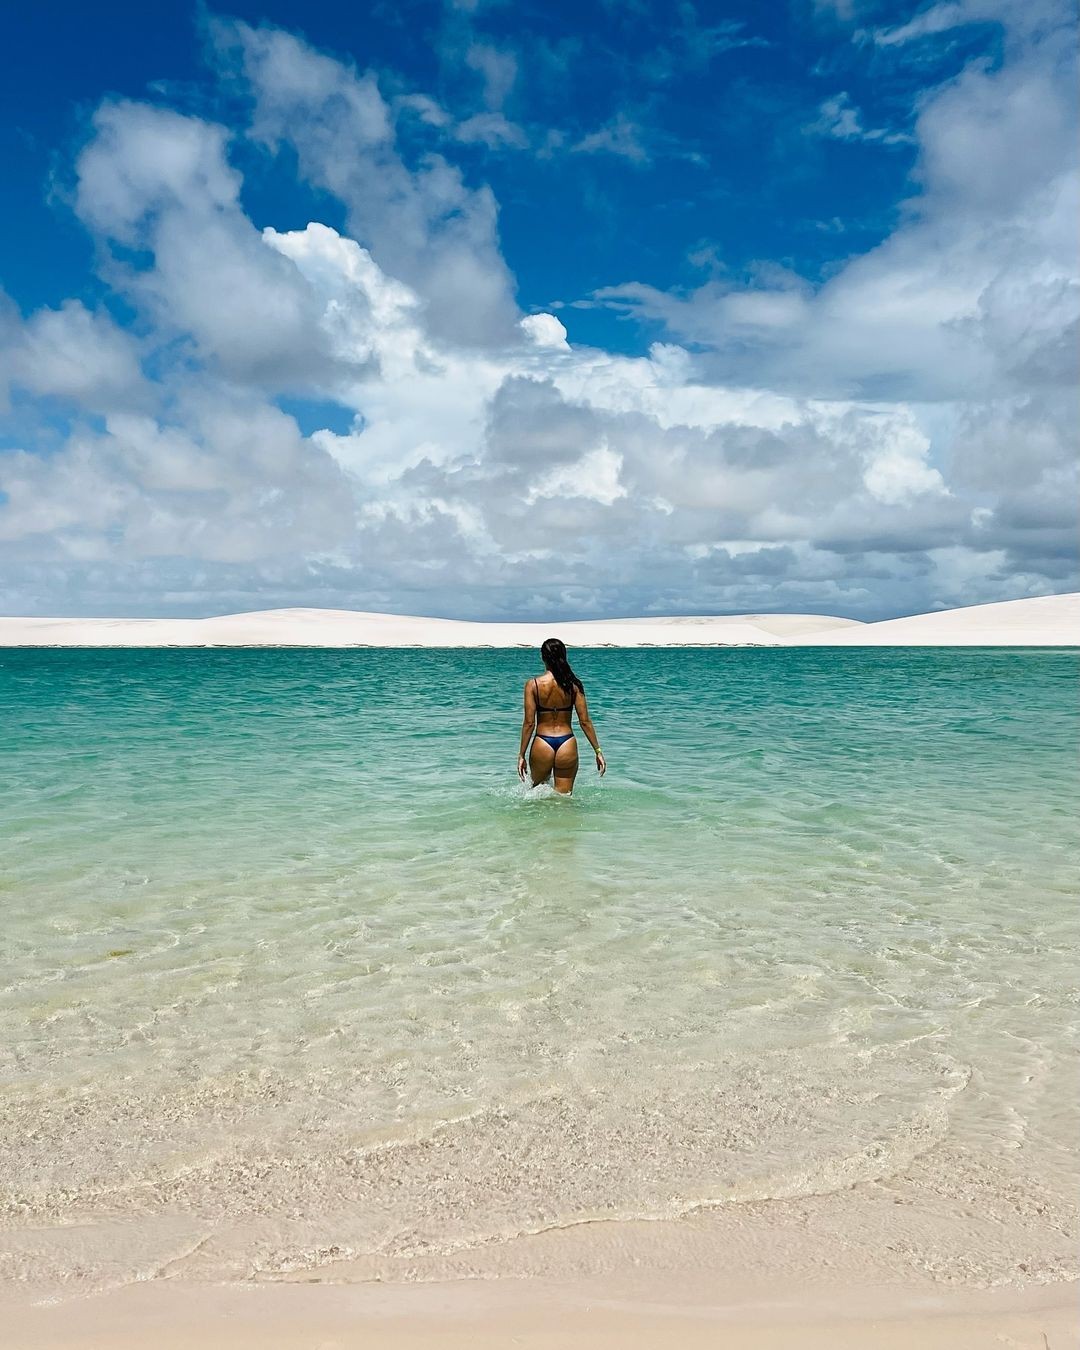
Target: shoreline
1042, 621
581, 1315
880, 1266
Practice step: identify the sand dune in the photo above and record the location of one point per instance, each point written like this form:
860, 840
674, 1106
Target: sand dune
1044, 621
346, 628
1051, 621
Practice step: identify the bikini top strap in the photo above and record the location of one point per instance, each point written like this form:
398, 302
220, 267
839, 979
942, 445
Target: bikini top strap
540, 707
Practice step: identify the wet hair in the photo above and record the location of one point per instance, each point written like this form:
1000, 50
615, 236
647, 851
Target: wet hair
554, 654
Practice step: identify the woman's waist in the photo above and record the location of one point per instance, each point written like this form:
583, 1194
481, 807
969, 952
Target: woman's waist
554, 729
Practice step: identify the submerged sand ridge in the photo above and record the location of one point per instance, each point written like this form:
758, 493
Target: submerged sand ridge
1042, 621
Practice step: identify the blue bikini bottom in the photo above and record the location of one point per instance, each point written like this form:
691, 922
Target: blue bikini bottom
555, 741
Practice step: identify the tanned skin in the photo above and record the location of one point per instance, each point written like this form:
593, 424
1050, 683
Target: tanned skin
543, 762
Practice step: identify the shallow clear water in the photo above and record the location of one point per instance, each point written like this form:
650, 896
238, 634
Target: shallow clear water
294, 968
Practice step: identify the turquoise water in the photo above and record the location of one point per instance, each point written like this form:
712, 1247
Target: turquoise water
293, 967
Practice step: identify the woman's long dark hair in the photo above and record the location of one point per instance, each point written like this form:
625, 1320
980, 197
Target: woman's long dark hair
554, 654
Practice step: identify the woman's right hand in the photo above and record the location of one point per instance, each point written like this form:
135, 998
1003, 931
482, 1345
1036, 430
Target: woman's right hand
601, 763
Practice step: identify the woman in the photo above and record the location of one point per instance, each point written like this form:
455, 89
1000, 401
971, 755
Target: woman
550, 699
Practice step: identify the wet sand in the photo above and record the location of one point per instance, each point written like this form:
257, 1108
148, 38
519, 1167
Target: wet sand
474, 1315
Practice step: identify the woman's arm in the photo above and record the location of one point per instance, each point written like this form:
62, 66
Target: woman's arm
587, 727
528, 723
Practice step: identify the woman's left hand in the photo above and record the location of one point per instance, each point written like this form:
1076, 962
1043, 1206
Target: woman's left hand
521, 767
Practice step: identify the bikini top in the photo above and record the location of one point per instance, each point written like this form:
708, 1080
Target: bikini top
540, 707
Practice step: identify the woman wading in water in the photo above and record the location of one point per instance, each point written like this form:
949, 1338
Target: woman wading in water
550, 700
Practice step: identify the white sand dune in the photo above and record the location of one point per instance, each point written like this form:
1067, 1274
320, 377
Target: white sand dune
1043, 621
1051, 621
347, 628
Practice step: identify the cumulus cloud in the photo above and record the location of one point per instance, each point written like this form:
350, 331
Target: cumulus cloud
896, 438
545, 330
153, 181
427, 227
74, 353
620, 467
226, 480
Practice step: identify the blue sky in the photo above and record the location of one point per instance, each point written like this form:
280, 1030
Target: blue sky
719, 108
811, 262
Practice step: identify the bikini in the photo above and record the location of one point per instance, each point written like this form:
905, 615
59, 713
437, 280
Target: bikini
553, 741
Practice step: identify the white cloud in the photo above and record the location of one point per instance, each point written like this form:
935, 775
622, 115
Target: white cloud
898, 473
620, 137
491, 129
936, 19
839, 119
594, 475
424, 107
427, 227
145, 161
545, 330
497, 69
619, 463
1021, 20
895, 438
231, 480
153, 180
982, 267
72, 353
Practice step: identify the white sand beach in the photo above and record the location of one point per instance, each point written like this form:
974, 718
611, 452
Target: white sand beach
1043, 621
543, 1315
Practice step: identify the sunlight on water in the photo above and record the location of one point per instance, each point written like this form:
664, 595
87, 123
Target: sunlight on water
286, 943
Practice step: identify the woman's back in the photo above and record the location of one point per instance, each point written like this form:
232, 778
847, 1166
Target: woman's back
550, 702
552, 698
